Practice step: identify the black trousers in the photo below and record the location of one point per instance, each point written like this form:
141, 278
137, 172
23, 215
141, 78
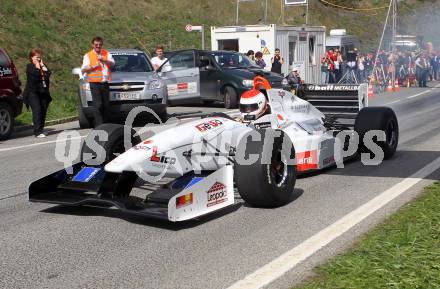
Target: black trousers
100, 97
423, 77
39, 105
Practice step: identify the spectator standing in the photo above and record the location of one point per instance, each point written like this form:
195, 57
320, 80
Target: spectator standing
369, 63
361, 68
338, 65
159, 59
434, 66
97, 64
36, 93
259, 59
332, 74
277, 61
325, 63
422, 66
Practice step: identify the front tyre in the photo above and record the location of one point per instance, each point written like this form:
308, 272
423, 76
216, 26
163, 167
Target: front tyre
112, 147
270, 181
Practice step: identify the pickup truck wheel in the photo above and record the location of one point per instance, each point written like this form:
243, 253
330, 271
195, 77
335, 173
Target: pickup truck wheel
6, 120
231, 100
110, 148
378, 118
268, 184
84, 121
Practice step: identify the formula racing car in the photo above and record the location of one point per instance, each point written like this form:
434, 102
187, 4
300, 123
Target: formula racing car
196, 164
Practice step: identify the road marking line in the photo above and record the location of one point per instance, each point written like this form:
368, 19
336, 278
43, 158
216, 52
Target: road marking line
419, 94
281, 265
396, 101
39, 144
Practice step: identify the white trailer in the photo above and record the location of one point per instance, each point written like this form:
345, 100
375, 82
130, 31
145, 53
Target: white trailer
301, 47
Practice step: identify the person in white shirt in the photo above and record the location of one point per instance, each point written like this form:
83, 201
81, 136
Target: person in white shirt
159, 59
96, 66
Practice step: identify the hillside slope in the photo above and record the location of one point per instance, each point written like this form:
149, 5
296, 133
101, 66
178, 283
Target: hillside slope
63, 29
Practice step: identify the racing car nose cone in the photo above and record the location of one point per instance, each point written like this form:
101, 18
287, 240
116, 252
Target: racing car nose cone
127, 161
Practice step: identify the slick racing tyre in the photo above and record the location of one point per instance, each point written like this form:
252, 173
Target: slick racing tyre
270, 181
378, 118
109, 149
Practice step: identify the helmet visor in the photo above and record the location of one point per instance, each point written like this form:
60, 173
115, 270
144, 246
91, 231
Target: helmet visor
247, 108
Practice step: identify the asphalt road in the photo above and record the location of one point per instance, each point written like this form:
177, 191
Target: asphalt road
47, 246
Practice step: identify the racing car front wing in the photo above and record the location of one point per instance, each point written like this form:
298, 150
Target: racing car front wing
185, 198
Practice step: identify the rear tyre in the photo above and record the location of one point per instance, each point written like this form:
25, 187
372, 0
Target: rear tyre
267, 184
231, 100
378, 118
111, 148
6, 120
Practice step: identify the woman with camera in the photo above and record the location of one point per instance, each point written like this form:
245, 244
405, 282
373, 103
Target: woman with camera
36, 93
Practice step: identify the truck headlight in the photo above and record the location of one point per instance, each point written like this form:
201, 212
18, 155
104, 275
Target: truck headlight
155, 84
248, 82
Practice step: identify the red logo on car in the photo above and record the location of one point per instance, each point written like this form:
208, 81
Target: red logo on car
209, 125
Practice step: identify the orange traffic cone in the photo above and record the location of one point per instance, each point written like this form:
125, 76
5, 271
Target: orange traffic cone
390, 86
396, 86
370, 91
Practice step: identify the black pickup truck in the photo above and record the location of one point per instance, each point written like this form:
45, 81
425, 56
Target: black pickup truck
208, 76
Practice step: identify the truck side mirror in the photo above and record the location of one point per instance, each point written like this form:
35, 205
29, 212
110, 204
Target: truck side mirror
209, 67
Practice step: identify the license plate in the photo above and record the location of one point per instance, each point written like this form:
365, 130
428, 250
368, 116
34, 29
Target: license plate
126, 95
85, 174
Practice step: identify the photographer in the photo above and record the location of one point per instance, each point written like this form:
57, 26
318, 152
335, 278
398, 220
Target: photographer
36, 93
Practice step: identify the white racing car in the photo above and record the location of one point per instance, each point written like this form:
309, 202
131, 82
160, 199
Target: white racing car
278, 136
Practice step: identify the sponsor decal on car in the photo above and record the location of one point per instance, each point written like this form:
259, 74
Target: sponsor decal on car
217, 194
307, 160
304, 108
5, 71
182, 87
184, 200
163, 159
141, 147
333, 87
211, 124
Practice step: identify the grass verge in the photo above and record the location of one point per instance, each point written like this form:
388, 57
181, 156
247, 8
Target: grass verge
402, 252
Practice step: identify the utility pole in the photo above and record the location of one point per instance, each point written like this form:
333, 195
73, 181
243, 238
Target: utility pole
265, 12
236, 15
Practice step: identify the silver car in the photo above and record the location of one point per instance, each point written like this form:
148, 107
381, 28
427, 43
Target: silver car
134, 83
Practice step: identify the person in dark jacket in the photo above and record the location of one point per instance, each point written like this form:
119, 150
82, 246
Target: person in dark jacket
36, 93
277, 62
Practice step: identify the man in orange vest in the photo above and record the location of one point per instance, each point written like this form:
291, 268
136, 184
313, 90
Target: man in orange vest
96, 65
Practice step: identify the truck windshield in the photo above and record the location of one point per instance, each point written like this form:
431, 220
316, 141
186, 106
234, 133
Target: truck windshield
232, 60
131, 62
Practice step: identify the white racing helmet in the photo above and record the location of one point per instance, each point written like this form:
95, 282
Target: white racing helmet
253, 104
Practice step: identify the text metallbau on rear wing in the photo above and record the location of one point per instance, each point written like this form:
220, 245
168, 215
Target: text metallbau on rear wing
340, 101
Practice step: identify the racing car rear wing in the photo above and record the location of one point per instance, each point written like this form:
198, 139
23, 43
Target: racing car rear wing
342, 101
